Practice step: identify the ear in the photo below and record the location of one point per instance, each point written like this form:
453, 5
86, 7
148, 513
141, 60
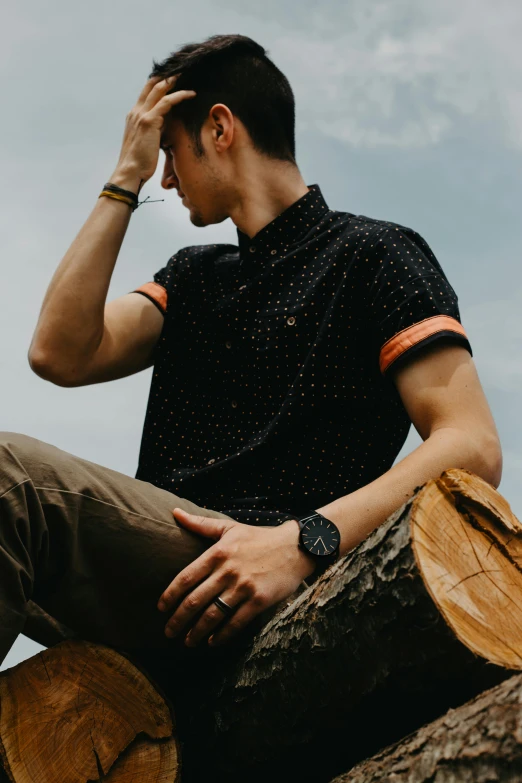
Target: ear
222, 126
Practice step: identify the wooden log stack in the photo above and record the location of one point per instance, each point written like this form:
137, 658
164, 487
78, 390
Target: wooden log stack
422, 616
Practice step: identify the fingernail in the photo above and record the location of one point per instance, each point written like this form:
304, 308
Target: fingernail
169, 632
162, 606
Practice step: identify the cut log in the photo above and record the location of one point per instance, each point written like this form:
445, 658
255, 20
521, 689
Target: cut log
391, 636
388, 638
480, 741
83, 712
468, 546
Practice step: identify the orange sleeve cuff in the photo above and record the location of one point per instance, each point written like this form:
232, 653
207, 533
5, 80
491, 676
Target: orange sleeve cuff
156, 292
407, 338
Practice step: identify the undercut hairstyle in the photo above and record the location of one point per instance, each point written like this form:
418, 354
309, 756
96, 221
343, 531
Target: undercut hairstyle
234, 70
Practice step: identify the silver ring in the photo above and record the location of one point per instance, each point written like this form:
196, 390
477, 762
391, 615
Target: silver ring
225, 608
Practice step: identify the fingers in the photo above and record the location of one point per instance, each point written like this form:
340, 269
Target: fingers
242, 617
166, 103
187, 579
158, 91
149, 84
154, 100
198, 601
214, 621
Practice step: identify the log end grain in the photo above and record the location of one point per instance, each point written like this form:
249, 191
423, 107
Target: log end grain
81, 711
468, 547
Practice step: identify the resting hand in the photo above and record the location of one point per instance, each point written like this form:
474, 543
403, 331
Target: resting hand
249, 567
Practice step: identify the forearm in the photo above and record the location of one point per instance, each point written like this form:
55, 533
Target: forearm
360, 512
71, 320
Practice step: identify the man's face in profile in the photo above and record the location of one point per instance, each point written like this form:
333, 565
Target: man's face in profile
193, 177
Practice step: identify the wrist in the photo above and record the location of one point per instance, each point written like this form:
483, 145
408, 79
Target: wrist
128, 179
306, 562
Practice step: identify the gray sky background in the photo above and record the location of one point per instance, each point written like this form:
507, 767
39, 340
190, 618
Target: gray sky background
409, 111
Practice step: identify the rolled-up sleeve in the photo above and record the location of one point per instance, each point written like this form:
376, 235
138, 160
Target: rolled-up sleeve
411, 302
155, 292
161, 285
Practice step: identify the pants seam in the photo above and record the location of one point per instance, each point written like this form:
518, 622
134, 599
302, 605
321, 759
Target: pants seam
105, 502
15, 486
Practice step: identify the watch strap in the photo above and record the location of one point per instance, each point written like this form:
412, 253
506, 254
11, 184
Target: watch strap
287, 518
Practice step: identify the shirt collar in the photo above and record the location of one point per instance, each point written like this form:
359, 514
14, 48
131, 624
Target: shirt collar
286, 229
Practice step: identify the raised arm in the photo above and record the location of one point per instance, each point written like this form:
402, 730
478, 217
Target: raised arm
78, 338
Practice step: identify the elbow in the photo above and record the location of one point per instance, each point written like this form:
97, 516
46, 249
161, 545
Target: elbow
38, 363
490, 460
47, 369
496, 468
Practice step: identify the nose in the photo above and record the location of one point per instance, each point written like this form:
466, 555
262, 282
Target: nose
169, 179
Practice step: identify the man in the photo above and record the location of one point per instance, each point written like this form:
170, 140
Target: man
287, 371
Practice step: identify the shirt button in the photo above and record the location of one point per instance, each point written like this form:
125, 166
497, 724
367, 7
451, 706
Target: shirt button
234, 404
211, 461
273, 252
252, 248
290, 321
228, 344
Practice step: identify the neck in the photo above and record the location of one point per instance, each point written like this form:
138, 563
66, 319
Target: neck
265, 192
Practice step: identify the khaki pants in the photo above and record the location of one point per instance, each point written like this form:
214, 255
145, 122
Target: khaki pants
91, 548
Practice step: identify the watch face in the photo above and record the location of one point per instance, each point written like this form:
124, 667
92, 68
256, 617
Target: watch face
320, 536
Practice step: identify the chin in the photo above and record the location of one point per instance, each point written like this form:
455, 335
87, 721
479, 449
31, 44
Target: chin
197, 219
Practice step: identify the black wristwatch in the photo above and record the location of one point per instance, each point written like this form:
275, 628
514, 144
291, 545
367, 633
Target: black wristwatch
320, 538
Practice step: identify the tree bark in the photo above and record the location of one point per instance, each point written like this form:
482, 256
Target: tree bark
82, 712
390, 637
480, 741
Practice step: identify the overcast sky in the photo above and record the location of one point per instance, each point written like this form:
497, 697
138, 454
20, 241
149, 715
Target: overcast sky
409, 111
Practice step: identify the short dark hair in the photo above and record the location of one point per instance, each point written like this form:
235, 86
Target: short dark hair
234, 70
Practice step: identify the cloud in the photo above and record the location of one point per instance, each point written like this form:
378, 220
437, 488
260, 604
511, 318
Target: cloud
406, 74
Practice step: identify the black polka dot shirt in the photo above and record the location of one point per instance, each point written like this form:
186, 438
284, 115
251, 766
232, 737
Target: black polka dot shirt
272, 389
